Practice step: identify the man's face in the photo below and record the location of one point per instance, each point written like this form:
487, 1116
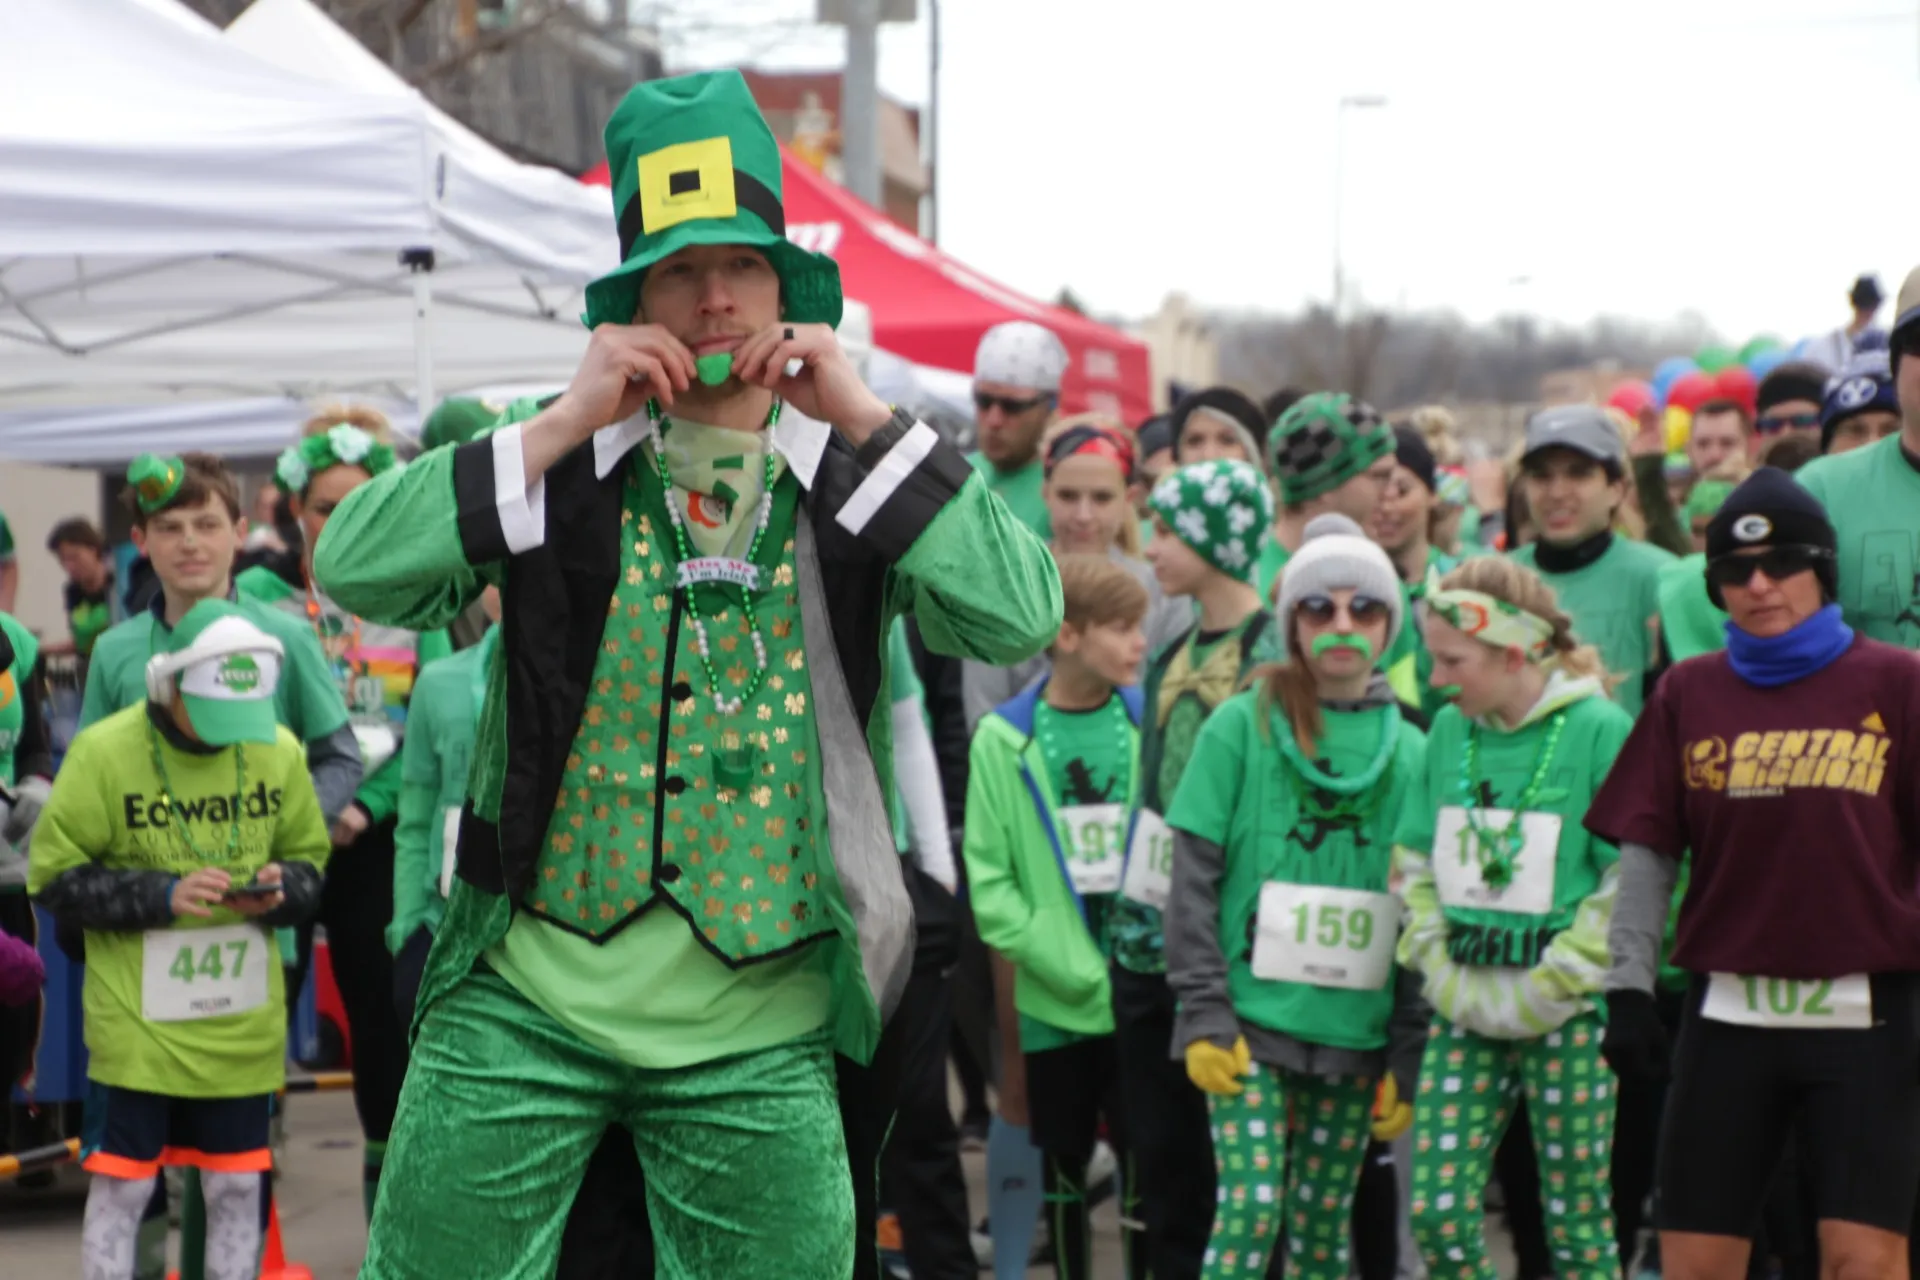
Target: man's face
1207, 438
1716, 437
1087, 504
1360, 496
1406, 507
1863, 429
83, 565
191, 548
1906, 379
1800, 416
712, 297
1569, 495
1010, 419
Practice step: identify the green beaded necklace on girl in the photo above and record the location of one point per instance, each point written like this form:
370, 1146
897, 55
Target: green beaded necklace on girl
683, 548
1498, 851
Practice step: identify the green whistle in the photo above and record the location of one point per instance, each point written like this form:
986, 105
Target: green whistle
714, 369
1448, 691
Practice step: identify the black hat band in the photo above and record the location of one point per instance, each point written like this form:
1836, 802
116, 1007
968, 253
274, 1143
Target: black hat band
749, 193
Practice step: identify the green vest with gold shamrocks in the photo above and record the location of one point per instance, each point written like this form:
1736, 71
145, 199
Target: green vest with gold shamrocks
663, 800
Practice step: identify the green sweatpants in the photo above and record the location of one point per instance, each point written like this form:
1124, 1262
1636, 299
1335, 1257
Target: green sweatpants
1468, 1084
1318, 1127
745, 1158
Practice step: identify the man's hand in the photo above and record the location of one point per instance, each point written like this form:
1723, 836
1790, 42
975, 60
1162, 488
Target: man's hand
193, 894
625, 366
348, 826
260, 904
827, 388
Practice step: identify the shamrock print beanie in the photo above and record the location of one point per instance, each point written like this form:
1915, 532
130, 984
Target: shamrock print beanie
1222, 509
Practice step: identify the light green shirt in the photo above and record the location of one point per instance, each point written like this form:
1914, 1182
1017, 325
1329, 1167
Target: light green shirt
1022, 491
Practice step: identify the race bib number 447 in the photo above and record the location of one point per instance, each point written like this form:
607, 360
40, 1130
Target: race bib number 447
188, 974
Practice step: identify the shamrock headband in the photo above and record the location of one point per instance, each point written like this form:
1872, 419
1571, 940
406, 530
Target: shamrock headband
155, 481
342, 444
1488, 619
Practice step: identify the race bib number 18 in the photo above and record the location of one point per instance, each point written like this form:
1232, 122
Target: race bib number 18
187, 974
1149, 877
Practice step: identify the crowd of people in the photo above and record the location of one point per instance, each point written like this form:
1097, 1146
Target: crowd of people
1269, 830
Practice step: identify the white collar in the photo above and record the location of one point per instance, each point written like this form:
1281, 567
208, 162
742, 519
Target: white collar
796, 437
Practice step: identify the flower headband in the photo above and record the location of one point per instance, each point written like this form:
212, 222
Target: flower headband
155, 480
342, 444
1488, 619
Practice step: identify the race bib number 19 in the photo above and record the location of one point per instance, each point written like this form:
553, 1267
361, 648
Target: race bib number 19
1457, 872
1093, 841
1802, 1004
1325, 937
187, 974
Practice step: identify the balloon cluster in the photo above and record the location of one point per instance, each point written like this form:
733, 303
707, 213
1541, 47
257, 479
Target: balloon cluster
1681, 384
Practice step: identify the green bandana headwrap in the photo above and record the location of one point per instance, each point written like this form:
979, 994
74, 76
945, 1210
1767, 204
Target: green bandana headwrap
1322, 442
1221, 509
155, 480
342, 444
1707, 498
1488, 619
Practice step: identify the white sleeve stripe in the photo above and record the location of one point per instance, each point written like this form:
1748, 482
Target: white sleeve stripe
884, 480
522, 511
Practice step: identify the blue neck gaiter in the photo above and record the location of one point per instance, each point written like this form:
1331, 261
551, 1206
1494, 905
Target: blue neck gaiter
1776, 660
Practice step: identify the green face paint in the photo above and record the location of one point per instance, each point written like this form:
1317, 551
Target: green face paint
714, 369
1332, 640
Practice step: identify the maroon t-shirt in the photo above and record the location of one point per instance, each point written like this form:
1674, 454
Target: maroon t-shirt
1801, 805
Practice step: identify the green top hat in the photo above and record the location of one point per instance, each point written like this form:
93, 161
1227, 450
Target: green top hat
693, 162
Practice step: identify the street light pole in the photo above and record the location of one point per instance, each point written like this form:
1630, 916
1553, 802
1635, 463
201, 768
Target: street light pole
1358, 102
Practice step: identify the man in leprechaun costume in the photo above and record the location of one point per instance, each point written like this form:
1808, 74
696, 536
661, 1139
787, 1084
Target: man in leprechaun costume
676, 892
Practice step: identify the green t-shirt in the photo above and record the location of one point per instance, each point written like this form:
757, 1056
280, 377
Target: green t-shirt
903, 686
1872, 495
1088, 756
1506, 763
307, 701
6, 540
1020, 489
1612, 602
1244, 791
1266, 571
26, 652
1689, 621
107, 810
88, 616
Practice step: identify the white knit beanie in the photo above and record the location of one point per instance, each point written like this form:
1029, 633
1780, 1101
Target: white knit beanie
1337, 553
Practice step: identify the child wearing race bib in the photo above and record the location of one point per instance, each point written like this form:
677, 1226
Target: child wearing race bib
178, 835
1281, 924
1054, 782
1508, 900
1210, 520
1783, 764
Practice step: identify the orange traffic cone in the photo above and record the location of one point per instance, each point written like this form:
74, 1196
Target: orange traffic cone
274, 1265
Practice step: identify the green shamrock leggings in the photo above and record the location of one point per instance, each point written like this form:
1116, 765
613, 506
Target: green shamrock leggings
1318, 1127
1467, 1086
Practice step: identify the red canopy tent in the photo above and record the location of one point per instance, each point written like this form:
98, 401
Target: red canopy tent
931, 309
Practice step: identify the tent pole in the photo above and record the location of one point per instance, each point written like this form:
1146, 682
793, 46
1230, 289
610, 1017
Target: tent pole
420, 263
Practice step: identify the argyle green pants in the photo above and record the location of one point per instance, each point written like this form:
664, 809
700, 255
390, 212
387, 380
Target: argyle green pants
1468, 1084
1317, 1128
745, 1158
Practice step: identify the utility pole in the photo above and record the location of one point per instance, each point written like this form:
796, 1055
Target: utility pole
860, 87
932, 118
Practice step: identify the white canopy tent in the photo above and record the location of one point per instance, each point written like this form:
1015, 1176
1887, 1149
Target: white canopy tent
182, 220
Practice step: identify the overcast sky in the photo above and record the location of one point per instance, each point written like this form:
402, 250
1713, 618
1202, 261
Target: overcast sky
1742, 158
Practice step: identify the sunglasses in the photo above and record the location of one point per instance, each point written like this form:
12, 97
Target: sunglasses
1774, 422
1778, 563
983, 402
1364, 610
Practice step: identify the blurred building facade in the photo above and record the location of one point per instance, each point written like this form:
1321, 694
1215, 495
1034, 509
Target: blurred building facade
803, 108
1181, 345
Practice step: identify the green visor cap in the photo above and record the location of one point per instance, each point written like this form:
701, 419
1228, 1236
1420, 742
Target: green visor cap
228, 670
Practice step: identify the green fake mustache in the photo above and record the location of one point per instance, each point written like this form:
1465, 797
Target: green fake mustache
1451, 692
712, 370
1324, 643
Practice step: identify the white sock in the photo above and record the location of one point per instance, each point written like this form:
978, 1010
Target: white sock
111, 1229
233, 1224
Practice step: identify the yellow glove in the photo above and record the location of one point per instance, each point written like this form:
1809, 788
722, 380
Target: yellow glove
1391, 1117
1219, 1070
